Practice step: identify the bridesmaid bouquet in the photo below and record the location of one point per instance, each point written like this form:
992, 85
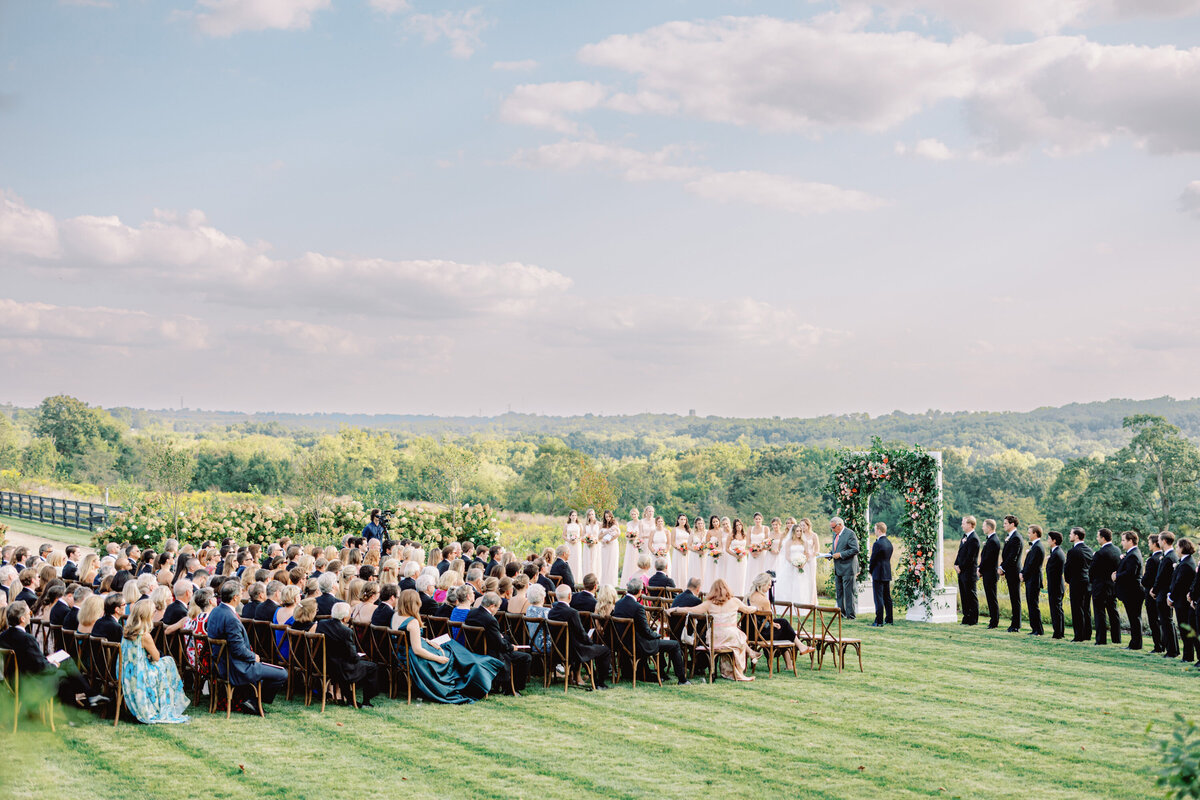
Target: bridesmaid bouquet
755, 549
661, 550
682, 547
590, 539
714, 550
739, 552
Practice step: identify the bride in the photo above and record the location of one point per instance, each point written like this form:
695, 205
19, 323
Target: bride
797, 584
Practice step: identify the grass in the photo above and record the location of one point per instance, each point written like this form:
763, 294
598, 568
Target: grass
51, 533
941, 711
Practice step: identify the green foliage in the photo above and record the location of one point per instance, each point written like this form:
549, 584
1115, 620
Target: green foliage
170, 470
40, 459
1180, 752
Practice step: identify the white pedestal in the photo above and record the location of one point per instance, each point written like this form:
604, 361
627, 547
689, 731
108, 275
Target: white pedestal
865, 605
944, 607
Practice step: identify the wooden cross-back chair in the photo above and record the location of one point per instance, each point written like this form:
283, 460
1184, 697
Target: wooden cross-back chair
622, 640
316, 666
107, 659
560, 653
221, 678
760, 634
389, 651
12, 682
829, 622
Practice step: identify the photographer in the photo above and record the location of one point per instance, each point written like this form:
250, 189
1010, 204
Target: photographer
374, 530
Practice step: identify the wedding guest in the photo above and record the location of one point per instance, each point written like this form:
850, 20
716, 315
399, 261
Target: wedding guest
270, 604
690, 596
409, 571
329, 587
1078, 575
648, 641
341, 656
389, 596
1010, 568
606, 600
464, 599
70, 570
1162, 588
304, 615
1031, 576
516, 662
72, 688
1104, 591
30, 583
520, 599
1055, 562
660, 579
109, 626
967, 566
71, 621
585, 599
367, 604
91, 610
160, 597
581, 650
176, 613
538, 643
447, 674
151, 684
1127, 580
780, 628
642, 573
845, 566
561, 568
880, 568
58, 603
724, 634
245, 666
1149, 577
1181, 583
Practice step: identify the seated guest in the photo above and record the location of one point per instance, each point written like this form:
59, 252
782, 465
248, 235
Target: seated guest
464, 598
70, 570
304, 617
725, 633
270, 604
245, 665
176, 614
504, 588
425, 587
198, 611
448, 581
649, 642
90, 612
328, 584
410, 570
586, 600
72, 688
520, 599
580, 647
516, 663
688, 597
606, 600
538, 641
542, 577
447, 674
58, 603
151, 685
161, 598
341, 655
109, 626
367, 603
285, 615
642, 573
475, 581
257, 593
385, 609
561, 568
30, 583
780, 630
660, 579
9, 585
71, 621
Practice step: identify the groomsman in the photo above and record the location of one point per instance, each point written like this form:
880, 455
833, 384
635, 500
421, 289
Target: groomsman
1078, 575
1104, 591
966, 564
1181, 584
1162, 588
880, 567
1031, 576
1129, 590
989, 571
1010, 568
1055, 561
1149, 577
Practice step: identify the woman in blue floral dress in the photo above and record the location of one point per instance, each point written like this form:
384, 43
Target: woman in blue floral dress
151, 684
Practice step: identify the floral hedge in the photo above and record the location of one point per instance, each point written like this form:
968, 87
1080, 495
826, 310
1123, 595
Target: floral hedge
438, 527
914, 474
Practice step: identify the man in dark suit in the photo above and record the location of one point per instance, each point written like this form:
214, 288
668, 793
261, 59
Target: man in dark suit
1055, 562
389, 594
1161, 592
178, 609
494, 554
1177, 597
648, 641
1128, 586
581, 650
1078, 575
257, 593
246, 667
267, 608
561, 569
30, 583
328, 586
1104, 591
411, 571
690, 596
70, 570
109, 626
72, 688
71, 622
989, 571
1149, 576
341, 656
60, 609
586, 599
880, 568
1010, 568
1031, 576
660, 579
425, 589
542, 578
966, 564
516, 662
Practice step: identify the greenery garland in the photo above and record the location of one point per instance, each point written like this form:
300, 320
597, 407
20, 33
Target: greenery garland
913, 473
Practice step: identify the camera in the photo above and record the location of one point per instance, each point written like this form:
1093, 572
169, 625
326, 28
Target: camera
385, 520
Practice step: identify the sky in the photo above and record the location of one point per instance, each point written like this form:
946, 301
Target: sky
741, 208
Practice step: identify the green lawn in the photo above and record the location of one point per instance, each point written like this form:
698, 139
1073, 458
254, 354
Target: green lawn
53, 533
941, 711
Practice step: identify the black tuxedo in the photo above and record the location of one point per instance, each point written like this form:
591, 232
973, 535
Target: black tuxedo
1078, 575
175, 611
266, 611
30, 662
382, 615
581, 647
649, 643
1129, 591
1104, 593
989, 562
1166, 615
70, 571
516, 662
583, 601
546, 584
58, 612
661, 580
108, 628
967, 562
1149, 576
685, 599
429, 606
1031, 572
880, 568
342, 661
562, 570
325, 604
1010, 562
1181, 584
1055, 562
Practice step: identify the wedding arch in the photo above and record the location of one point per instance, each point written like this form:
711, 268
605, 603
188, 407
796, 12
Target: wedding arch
917, 476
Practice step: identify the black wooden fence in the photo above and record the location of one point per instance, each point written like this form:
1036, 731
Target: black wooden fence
56, 511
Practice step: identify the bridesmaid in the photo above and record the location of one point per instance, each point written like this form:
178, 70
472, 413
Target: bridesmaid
714, 552
632, 534
737, 556
660, 543
776, 537
646, 531
679, 550
696, 566
760, 541
610, 550
591, 546
573, 536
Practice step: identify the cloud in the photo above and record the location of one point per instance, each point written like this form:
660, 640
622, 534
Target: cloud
1189, 201
1040, 17
524, 65
931, 149
1065, 94
461, 29
318, 339
26, 231
391, 6
757, 188
227, 17
98, 325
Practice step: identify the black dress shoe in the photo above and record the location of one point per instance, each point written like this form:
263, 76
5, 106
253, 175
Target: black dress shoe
97, 700
366, 704
248, 707
990, 626
876, 624
603, 687
1056, 636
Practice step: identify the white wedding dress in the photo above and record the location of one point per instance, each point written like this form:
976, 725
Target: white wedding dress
792, 585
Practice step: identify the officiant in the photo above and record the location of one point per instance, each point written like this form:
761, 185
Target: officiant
844, 553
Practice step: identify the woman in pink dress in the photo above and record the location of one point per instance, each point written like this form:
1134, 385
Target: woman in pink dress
725, 634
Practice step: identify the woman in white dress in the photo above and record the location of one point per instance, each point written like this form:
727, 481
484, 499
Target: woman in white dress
776, 540
713, 552
573, 537
590, 546
760, 541
680, 543
633, 532
737, 556
695, 558
645, 531
796, 567
610, 550
660, 543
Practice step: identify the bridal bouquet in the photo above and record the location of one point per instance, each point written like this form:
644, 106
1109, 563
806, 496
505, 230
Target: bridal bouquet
739, 552
714, 550
800, 561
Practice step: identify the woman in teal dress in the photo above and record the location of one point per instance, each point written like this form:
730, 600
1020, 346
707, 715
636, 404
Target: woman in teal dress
151, 684
447, 674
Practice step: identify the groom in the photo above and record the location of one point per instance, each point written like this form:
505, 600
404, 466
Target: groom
845, 565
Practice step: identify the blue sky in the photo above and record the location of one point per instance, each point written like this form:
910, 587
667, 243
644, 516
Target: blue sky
742, 208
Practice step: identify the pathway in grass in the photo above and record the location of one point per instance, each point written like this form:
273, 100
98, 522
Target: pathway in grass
941, 711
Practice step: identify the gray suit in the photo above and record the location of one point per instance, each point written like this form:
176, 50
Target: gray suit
845, 570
